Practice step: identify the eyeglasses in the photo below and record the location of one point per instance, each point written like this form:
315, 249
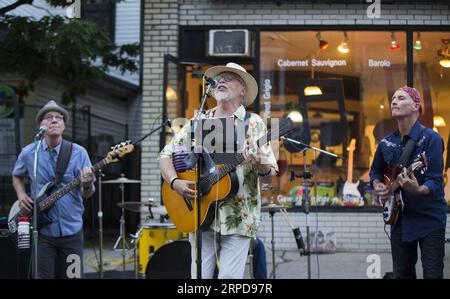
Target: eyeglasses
228, 78
51, 117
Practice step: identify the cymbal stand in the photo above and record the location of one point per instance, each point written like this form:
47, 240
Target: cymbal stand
135, 242
122, 230
100, 221
271, 213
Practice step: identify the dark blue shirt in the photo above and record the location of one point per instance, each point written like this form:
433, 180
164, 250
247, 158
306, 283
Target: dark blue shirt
424, 213
66, 214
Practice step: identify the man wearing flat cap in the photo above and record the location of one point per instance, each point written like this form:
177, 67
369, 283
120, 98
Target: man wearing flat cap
237, 218
423, 217
63, 235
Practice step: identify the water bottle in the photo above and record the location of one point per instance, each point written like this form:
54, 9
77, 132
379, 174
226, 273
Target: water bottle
23, 233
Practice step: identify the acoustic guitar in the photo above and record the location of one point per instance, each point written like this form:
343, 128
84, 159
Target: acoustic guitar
393, 203
49, 194
214, 189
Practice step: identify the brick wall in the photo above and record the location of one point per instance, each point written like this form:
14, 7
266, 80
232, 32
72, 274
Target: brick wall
161, 21
206, 12
353, 231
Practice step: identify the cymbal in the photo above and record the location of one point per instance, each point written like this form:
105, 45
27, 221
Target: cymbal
135, 206
272, 207
122, 180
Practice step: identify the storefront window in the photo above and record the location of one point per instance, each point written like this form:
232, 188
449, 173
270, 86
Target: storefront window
341, 83
432, 79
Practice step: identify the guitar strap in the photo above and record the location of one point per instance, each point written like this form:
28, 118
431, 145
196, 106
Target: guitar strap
246, 121
65, 153
404, 158
409, 148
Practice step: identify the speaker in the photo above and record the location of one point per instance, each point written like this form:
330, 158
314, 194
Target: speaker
14, 263
171, 261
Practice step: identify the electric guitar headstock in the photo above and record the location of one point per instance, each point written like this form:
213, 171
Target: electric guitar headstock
282, 128
118, 151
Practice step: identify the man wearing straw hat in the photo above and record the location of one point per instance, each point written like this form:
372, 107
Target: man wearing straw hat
227, 241
63, 236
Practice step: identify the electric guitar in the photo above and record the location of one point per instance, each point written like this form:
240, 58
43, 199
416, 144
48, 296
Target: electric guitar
393, 203
351, 195
214, 189
48, 195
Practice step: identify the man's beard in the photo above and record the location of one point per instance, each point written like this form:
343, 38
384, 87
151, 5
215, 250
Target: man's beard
224, 96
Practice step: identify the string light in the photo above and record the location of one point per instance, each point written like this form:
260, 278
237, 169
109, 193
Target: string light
322, 43
394, 45
418, 44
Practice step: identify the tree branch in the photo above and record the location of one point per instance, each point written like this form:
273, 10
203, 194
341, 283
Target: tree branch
16, 4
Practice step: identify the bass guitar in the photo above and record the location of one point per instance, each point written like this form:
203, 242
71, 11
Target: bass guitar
49, 194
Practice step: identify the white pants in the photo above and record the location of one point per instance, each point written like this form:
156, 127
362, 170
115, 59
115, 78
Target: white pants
232, 255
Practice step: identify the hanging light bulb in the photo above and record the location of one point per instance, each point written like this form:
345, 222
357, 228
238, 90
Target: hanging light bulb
418, 43
171, 94
394, 45
322, 43
343, 47
445, 62
312, 91
438, 121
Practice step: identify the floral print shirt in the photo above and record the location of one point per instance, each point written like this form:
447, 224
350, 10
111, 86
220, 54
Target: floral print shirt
240, 214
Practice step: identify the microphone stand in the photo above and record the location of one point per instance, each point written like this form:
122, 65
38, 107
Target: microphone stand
198, 234
100, 221
306, 198
164, 123
38, 139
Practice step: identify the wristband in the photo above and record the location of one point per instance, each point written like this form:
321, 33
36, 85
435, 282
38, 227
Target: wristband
172, 181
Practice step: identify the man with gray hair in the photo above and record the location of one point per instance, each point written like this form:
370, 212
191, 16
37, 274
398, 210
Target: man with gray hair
238, 217
63, 235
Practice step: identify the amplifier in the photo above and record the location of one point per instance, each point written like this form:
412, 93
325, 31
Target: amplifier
14, 263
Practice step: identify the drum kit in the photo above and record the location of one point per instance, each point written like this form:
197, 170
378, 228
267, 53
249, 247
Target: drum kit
160, 250
149, 240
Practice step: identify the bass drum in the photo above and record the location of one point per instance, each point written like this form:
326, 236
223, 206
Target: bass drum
170, 261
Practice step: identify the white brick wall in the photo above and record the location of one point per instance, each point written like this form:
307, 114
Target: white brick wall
353, 231
162, 19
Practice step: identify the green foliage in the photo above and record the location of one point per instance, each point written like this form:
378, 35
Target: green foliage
76, 51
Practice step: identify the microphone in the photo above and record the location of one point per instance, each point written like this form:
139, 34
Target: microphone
40, 133
299, 239
210, 81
